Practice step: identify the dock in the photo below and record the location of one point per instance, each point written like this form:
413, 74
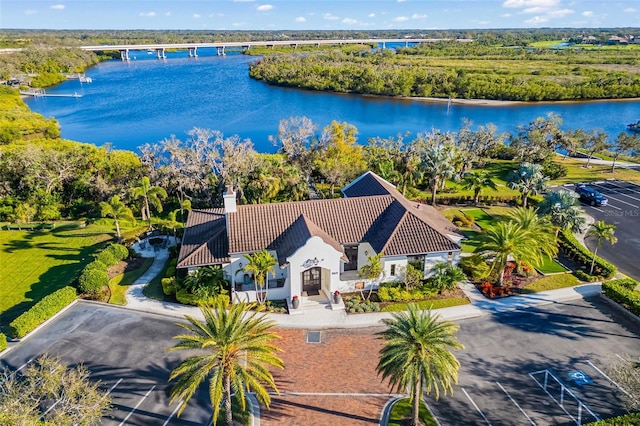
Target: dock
38, 93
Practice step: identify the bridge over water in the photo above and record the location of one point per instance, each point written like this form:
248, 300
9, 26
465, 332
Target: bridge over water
160, 48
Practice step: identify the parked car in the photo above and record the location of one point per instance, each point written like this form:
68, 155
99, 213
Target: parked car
591, 196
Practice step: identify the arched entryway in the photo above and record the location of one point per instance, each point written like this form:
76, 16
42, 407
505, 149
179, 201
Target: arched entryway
312, 281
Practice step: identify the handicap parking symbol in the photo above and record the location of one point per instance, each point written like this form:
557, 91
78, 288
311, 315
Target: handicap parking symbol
579, 378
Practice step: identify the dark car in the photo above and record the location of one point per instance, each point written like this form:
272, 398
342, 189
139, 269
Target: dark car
591, 196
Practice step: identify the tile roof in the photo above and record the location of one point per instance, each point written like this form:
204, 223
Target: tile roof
389, 222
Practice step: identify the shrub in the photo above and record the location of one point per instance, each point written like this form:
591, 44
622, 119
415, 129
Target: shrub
583, 276
170, 286
354, 304
97, 265
621, 292
107, 257
118, 251
186, 298
475, 267
42, 311
91, 281
554, 170
630, 419
572, 248
463, 220
3, 342
170, 272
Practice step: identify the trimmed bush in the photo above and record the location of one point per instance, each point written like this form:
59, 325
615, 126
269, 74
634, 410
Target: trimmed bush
169, 286
97, 265
118, 251
92, 281
475, 267
632, 419
624, 293
107, 257
3, 342
579, 253
170, 272
42, 311
583, 276
186, 298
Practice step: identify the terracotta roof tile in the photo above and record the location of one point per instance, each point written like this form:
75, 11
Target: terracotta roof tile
298, 234
204, 241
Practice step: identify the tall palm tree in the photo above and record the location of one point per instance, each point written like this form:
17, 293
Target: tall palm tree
373, 270
151, 195
508, 239
563, 210
238, 354
477, 182
528, 179
260, 264
416, 354
438, 165
117, 210
601, 231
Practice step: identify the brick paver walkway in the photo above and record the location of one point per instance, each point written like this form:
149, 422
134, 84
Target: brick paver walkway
333, 382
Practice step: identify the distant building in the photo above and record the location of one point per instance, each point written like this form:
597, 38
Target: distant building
618, 40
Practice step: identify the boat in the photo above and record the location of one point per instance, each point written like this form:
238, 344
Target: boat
634, 127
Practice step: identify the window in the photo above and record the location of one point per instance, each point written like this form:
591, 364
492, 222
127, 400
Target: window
450, 257
417, 262
352, 254
393, 270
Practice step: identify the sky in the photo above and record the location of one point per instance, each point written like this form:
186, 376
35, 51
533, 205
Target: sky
316, 14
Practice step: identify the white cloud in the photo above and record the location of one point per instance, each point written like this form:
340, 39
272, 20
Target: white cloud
264, 7
587, 13
196, 16
505, 15
243, 1
630, 10
349, 21
371, 15
400, 19
536, 20
418, 16
167, 14
401, 1
147, 14
300, 19
57, 6
560, 13
482, 22
330, 17
517, 4
30, 12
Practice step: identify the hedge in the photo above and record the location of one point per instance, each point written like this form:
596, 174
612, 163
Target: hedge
92, 280
107, 257
3, 342
623, 291
118, 251
572, 248
42, 311
632, 419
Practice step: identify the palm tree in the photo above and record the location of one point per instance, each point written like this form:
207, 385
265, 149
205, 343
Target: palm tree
563, 210
117, 210
237, 357
528, 179
150, 195
373, 271
260, 264
601, 231
438, 165
416, 354
446, 276
477, 182
508, 239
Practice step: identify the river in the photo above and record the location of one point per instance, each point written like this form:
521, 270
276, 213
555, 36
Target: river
147, 100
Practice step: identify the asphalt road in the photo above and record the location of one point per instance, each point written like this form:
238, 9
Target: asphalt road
126, 351
623, 210
508, 357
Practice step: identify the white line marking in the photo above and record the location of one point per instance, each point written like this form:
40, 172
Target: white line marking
595, 208
609, 379
516, 404
50, 408
431, 411
477, 408
635, 192
620, 357
114, 386
23, 366
613, 207
137, 405
171, 416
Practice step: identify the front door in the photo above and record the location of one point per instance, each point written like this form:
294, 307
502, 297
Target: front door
312, 281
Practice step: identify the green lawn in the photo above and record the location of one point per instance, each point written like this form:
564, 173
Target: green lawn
471, 244
402, 409
551, 283
550, 266
578, 173
153, 290
37, 263
428, 304
120, 283
481, 217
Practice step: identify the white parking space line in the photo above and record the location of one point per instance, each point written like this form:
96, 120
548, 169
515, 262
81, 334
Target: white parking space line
476, 407
114, 386
516, 404
635, 192
166, 422
428, 408
600, 210
612, 206
617, 199
137, 405
23, 366
609, 379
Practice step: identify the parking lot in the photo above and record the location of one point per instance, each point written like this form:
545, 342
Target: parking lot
542, 366
123, 349
622, 210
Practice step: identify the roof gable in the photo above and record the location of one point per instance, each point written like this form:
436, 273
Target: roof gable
298, 234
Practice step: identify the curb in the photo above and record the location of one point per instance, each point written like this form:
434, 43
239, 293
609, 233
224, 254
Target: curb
44, 324
618, 307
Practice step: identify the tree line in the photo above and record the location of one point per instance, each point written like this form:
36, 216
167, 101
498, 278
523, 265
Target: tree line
460, 70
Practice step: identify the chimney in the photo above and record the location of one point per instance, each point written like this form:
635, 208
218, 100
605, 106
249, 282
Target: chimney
229, 200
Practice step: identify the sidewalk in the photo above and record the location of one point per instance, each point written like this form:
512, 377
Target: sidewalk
326, 318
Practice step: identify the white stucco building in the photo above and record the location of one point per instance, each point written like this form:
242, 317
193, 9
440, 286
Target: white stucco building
320, 245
